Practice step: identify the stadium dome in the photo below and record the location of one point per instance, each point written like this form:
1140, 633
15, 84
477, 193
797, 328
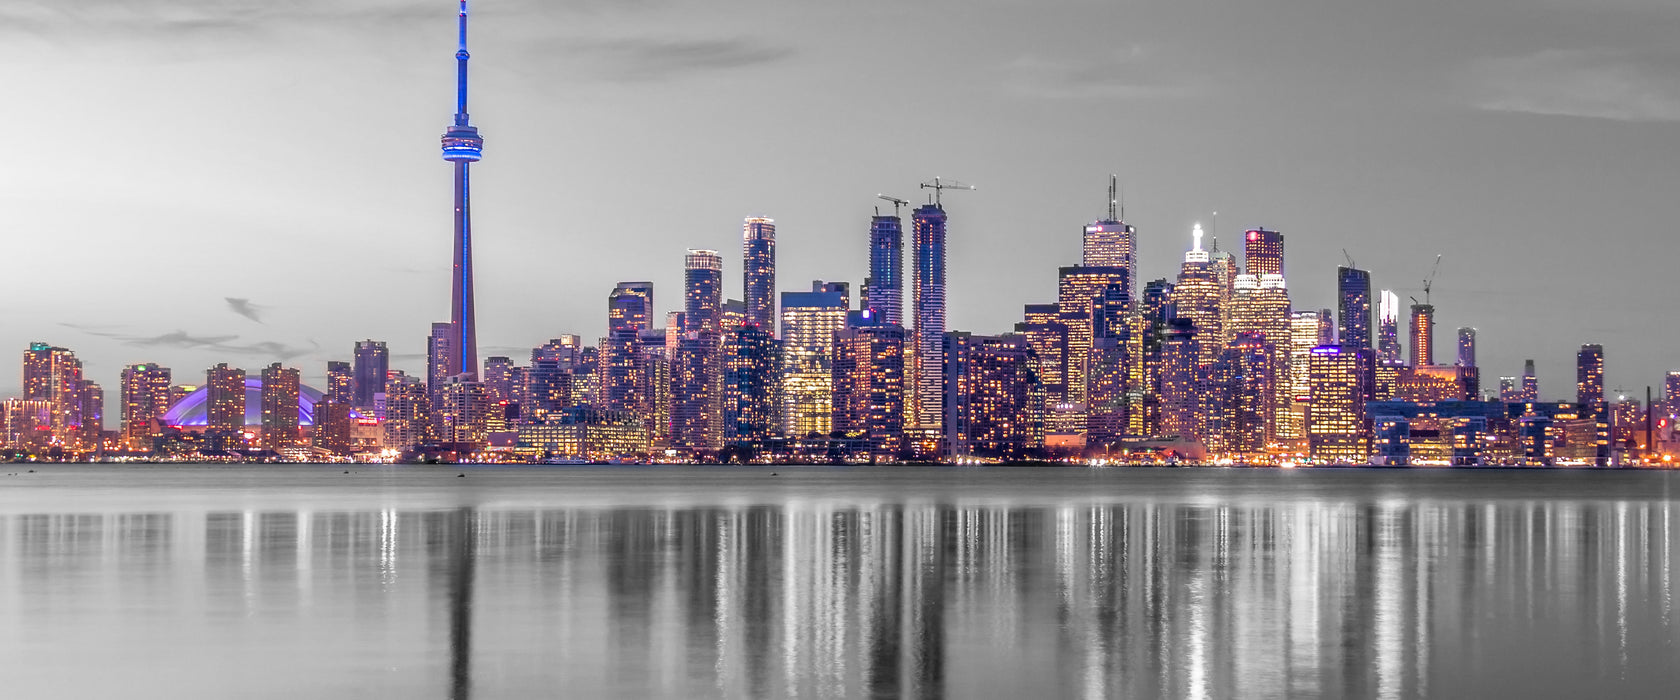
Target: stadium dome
191, 411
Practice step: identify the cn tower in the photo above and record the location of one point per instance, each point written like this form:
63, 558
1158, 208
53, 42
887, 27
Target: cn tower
462, 146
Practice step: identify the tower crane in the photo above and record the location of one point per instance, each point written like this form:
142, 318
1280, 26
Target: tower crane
1431, 281
1349, 259
939, 185
896, 202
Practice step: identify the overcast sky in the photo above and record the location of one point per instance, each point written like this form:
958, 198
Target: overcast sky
168, 155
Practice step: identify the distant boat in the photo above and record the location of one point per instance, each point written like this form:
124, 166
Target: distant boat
564, 460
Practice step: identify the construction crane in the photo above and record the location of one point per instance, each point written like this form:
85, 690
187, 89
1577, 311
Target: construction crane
1431, 281
896, 202
939, 185
1349, 259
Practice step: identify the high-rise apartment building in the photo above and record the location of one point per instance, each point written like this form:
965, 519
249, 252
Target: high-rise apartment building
1423, 335
1388, 329
927, 399
751, 384
439, 359
408, 412
145, 398
994, 405
1466, 347
225, 399
810, 321
703, 291
341, 383
1353, 293
1181, 377
498, 379
1530, 383
869, 380
758, 268
1263, 252
54, 375
886, 269
1589, 375
463, 411
373, 363
697, 394
281, 387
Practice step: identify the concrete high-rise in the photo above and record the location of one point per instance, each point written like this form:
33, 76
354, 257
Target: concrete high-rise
440, 357
703, 291
341, 382
1423, 335
225, 399
281, 387
1589, 375
697, 394
1467, 347
869, 380
1260, 315
885, 297
1353, 294
994, 404
751, 383
1336, 426
462, 146
927, 405
758, 270
1078, 291
1198, 297
1263, 252
373, 364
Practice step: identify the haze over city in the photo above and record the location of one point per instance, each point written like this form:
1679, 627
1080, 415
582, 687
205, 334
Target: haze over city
248, 182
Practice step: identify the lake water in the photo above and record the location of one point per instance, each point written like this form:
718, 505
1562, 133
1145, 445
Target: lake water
412, 582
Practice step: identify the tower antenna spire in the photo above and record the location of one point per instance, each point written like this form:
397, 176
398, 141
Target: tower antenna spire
1113, 199
462, 146
461, 57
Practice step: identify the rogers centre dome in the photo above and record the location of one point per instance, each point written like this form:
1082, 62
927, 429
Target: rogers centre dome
191, 412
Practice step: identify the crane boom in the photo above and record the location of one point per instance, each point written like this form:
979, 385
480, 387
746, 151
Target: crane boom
1430, 282
939, 185
896, 201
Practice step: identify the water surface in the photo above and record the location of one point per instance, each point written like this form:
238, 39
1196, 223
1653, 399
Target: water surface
413, 582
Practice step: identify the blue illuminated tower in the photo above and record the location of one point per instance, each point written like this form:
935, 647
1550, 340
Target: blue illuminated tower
886, 268
462, 146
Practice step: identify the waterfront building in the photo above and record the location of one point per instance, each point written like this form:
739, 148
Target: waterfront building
588, 433
809, 322
54, 375
145, 398
1181, 380
885, 296
1434, 433
335, 428
1239, 398
1431, 383
993, 401
869, 380
463, 412
224, 407
926, 406
373, 363
1336, 429
408, 412
280, 392
548, 388
703, 291
758, 268
751, 384
91, 413
697, 394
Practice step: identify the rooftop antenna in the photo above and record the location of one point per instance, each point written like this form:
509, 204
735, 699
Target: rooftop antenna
939, 185
896, 202
1113, 198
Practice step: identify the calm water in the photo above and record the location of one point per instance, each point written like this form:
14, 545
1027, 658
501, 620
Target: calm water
411, 582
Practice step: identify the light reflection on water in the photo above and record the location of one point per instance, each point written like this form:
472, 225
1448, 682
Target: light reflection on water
834, 583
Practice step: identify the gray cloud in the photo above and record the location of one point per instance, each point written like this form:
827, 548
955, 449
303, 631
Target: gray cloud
179, 339
649, 59
1601, 84
1130, 73
245, 308
270, 348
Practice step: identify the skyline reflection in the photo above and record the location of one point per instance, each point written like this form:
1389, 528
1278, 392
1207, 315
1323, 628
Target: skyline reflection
1329, 593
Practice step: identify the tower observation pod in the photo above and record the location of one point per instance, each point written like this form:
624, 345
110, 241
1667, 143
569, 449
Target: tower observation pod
461, 142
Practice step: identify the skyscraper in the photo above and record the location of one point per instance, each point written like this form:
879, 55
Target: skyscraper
751, 383
1530, 383
1423, 335
280, 389
758, 269
1110, 242
440, 357
1467, 347
1336, 415
1260, 316
703, 291
1078, 291
408, 412
927, 407
1263, 252
1388, 329
1197, 298
1353, 292
630, 306
462, 146
1589, 375
225, 400
145, 398
340, 382
809, 322
498, 379
993, 401
1180, 380
373, 364
886, 269
697, 394
869, 381
54, 375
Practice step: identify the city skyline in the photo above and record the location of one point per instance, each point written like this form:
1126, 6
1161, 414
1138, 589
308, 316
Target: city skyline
260, 314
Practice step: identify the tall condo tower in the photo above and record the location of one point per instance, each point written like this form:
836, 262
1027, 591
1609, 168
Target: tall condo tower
703, 298
1353, 291
1423, 335
886, 268
928, 295
462, 146
1388, 328
758, 268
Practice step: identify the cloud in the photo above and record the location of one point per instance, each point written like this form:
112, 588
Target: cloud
270, 348
652, 59
1616, 85
179, 339
103, 332
245, 308
1130, 73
